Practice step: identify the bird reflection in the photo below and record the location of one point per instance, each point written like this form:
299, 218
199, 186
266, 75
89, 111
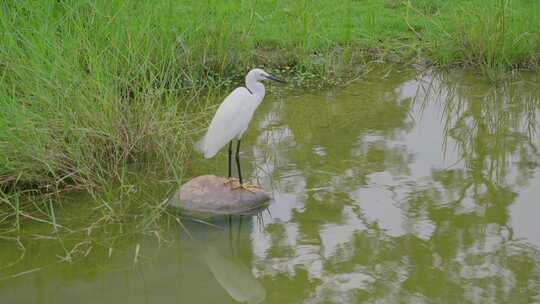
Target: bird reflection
229, 271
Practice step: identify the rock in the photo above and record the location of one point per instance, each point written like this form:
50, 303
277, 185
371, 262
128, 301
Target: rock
209, 195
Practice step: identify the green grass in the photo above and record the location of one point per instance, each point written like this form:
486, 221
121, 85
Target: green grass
89, 87
493, 36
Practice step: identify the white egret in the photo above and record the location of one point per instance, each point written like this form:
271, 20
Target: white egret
232, 119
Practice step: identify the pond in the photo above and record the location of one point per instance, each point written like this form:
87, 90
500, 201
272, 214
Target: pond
404, 186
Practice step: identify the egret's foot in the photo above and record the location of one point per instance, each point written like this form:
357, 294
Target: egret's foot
248, 187
229, 180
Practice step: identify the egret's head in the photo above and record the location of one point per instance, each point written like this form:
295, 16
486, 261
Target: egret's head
260, 75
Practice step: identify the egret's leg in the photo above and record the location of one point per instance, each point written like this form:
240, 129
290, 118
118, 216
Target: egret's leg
230, 160
237, 157
229, 179
247, 187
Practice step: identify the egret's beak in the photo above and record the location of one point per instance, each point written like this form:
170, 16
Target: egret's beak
270, 77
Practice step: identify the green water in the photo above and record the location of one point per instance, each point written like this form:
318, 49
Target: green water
400, 188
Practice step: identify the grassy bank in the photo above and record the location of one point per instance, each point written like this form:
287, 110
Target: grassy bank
88, 87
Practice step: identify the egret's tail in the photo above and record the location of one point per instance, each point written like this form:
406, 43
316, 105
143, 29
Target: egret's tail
206, 148
200, 146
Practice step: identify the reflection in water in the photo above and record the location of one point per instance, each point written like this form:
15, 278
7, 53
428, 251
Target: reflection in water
210, 268
401, 194
413, 188
232, 274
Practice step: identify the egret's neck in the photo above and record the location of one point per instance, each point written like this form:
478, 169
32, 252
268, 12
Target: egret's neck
256, 88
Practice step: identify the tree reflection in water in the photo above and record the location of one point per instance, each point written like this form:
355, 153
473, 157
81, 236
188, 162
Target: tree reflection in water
392, 190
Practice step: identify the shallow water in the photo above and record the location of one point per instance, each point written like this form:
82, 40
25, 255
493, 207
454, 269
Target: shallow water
402, 187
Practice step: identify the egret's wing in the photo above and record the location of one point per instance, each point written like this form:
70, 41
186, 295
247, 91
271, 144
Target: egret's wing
230, 120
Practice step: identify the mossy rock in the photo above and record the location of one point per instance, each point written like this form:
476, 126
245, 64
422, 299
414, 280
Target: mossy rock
209, 195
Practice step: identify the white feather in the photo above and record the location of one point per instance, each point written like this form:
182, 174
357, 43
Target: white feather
230, 121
